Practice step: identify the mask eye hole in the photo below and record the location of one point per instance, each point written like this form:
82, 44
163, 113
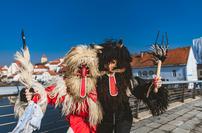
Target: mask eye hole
113, 62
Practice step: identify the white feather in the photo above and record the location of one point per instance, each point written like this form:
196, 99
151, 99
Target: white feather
25, 68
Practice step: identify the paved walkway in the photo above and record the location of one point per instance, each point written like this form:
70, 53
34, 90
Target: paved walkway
183, 119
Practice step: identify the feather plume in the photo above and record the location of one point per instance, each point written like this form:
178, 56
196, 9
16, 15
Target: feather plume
25, 77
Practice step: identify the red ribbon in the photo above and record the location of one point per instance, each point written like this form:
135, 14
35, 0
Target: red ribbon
112, 86
83, 71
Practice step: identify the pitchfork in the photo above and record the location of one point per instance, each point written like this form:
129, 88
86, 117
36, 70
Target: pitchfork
159, 53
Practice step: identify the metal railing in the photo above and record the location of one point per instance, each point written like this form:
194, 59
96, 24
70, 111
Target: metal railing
53, 121
178, 91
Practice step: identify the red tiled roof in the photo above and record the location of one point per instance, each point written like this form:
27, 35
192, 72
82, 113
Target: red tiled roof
40, 67
55, 62
52, 73
38, 73
176, 56
3, 69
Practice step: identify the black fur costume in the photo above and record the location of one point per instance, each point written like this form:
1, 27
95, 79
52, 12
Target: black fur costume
117, 114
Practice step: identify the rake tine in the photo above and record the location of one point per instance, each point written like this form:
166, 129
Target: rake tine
162, 42
166, 40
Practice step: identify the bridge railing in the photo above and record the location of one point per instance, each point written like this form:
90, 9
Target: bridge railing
53, 121
178, 91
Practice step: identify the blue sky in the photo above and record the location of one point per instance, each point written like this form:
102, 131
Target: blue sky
53, 26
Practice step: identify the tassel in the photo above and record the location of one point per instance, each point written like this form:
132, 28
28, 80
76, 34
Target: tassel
156, 102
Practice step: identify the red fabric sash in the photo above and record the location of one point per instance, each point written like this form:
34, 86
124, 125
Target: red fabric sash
112, 85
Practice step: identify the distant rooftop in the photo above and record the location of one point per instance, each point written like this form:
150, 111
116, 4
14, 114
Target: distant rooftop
178, 56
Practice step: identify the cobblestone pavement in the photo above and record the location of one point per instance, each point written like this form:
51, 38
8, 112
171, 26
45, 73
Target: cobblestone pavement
183, 119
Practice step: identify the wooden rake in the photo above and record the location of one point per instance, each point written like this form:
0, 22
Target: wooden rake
159, 53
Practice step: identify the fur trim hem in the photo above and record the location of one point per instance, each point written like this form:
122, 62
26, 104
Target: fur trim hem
95, 112
19, 107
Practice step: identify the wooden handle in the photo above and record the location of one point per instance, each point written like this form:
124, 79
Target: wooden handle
158, 72
158, 68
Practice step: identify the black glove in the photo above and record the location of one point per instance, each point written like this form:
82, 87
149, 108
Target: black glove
23, 95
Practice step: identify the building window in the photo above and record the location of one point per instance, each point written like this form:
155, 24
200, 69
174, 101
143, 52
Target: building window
151, 72
200, 72
174, 73
139, 73
144, 73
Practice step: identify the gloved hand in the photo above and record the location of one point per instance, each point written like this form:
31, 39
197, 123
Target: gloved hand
26, 95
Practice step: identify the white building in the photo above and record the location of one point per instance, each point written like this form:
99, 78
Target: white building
44, 76
55, 65
180, 64
40, 68
13, 68
3, 71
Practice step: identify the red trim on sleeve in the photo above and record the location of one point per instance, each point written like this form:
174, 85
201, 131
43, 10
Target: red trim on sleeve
36, 98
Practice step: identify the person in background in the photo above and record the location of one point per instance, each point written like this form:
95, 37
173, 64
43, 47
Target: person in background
116, 85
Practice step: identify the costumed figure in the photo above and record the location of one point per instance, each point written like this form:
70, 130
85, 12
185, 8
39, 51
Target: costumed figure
30, 112
117, 83
76, 93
